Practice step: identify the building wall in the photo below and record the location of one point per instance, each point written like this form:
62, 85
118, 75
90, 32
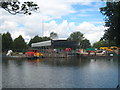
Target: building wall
41, 44
57, 44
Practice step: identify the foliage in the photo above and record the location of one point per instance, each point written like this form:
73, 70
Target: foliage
112, 21
14, 7
19, 43
34, 40
85, 44
45, 38
97, 44
104, 43
7, 42
38, 39
53, 35
78, 36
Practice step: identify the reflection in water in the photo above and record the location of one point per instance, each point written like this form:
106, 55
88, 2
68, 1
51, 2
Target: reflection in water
60, 73
35, 61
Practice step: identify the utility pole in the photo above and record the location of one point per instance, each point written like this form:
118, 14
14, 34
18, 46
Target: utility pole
42, 21
42, 26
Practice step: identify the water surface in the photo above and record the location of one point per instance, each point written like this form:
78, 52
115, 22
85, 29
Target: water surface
60, 73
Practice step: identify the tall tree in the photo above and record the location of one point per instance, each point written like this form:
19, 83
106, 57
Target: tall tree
35, 39
76, 36
45, 38
85, 44
38, 39
112, 21
53, 35
14, 6
19, 43
7, 42
79, 37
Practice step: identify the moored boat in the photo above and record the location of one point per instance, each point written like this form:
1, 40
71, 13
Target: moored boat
33, 54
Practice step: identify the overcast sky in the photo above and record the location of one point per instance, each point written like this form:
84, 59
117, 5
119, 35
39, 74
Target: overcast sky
60, 16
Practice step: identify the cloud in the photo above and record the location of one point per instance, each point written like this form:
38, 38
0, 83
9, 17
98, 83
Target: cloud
61, 29
17, 33
44, 21
64, 29
90, 31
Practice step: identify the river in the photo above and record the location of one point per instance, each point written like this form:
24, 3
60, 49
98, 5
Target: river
69, 72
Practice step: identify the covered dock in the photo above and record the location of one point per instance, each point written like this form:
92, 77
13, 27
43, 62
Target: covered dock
55, 48
56, 44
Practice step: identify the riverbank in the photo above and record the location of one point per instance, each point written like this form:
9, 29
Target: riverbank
61, 55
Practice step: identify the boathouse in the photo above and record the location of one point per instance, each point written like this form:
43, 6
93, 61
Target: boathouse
56, 44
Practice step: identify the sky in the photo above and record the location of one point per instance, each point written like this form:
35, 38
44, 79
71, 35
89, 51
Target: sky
60, 16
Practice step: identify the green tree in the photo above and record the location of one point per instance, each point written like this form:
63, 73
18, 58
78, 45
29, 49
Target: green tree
53, 35
76, 36
85, 44
97, 45
7, 42
14, 7
46, 38
38, 39
103, 43
35, 39
112, 13
19, 43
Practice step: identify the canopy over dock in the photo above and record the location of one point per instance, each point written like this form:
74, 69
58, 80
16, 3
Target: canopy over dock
56, 44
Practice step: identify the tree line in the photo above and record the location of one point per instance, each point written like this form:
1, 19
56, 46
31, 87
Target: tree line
19, 44
104, 43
